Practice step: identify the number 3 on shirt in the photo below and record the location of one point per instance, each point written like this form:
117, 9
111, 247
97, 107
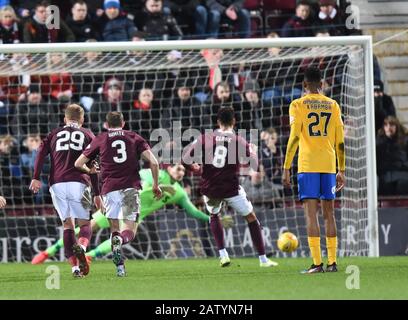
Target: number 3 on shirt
220, 154
121, 151
316, 122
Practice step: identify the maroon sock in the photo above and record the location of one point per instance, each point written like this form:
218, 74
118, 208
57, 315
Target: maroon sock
256, 235
69, 241
85, 234
217, 231
127, 236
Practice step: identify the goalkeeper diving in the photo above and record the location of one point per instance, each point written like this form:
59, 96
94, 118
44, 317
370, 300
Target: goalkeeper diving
173, 193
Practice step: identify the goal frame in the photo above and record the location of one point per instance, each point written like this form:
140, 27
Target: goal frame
364, 41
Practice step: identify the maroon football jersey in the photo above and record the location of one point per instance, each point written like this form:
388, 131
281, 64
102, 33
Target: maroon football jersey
64, 145
221, 162
119, 151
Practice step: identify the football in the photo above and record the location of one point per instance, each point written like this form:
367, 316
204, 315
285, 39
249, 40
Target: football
288, 242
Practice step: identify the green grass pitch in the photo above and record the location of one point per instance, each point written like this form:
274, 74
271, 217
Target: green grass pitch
380, 278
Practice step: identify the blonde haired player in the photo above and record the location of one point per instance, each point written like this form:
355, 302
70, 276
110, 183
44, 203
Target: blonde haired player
68, 186
317, 128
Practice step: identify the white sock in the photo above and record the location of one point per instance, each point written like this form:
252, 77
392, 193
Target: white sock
263, 258
223, 253
74, 268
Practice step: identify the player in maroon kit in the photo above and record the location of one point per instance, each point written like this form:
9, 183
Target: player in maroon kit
223, 152
119, 151
69, 187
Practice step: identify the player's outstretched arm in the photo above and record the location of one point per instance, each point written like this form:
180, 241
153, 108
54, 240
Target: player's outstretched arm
191, 209
2, 202
148, 155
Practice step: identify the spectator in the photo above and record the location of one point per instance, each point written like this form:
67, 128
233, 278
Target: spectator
114, 25
190, 13
156, 24
271, 156
254, 113
330, 18
213, 59
139, 56
36, 30
206, 77
34, 115
222, 97
299, 25
11, 176
184, 107
27, 160
10, 28
392, 158
384, 106
111, 99
14, 85
259, 189
32, 143
231, 11
80, 22
61, 85
145, 115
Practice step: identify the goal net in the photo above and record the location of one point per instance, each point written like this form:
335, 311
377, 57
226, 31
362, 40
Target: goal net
179, 86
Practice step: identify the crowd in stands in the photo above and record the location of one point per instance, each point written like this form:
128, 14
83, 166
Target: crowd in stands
119, 20
31, 105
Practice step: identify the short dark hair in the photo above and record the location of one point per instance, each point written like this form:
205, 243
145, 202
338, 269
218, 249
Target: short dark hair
226, 116
313, 75
303, 3
42, 3
114, 119
81, 2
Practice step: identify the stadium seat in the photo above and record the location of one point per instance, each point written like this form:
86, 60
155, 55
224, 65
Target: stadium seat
279, 4
257, 21
276, 13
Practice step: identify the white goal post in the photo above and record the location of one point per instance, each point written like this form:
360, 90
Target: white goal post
363, 180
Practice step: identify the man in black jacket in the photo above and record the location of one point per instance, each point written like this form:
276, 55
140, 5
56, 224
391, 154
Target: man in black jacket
156, 24
184, 108
80, 23
36, 30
